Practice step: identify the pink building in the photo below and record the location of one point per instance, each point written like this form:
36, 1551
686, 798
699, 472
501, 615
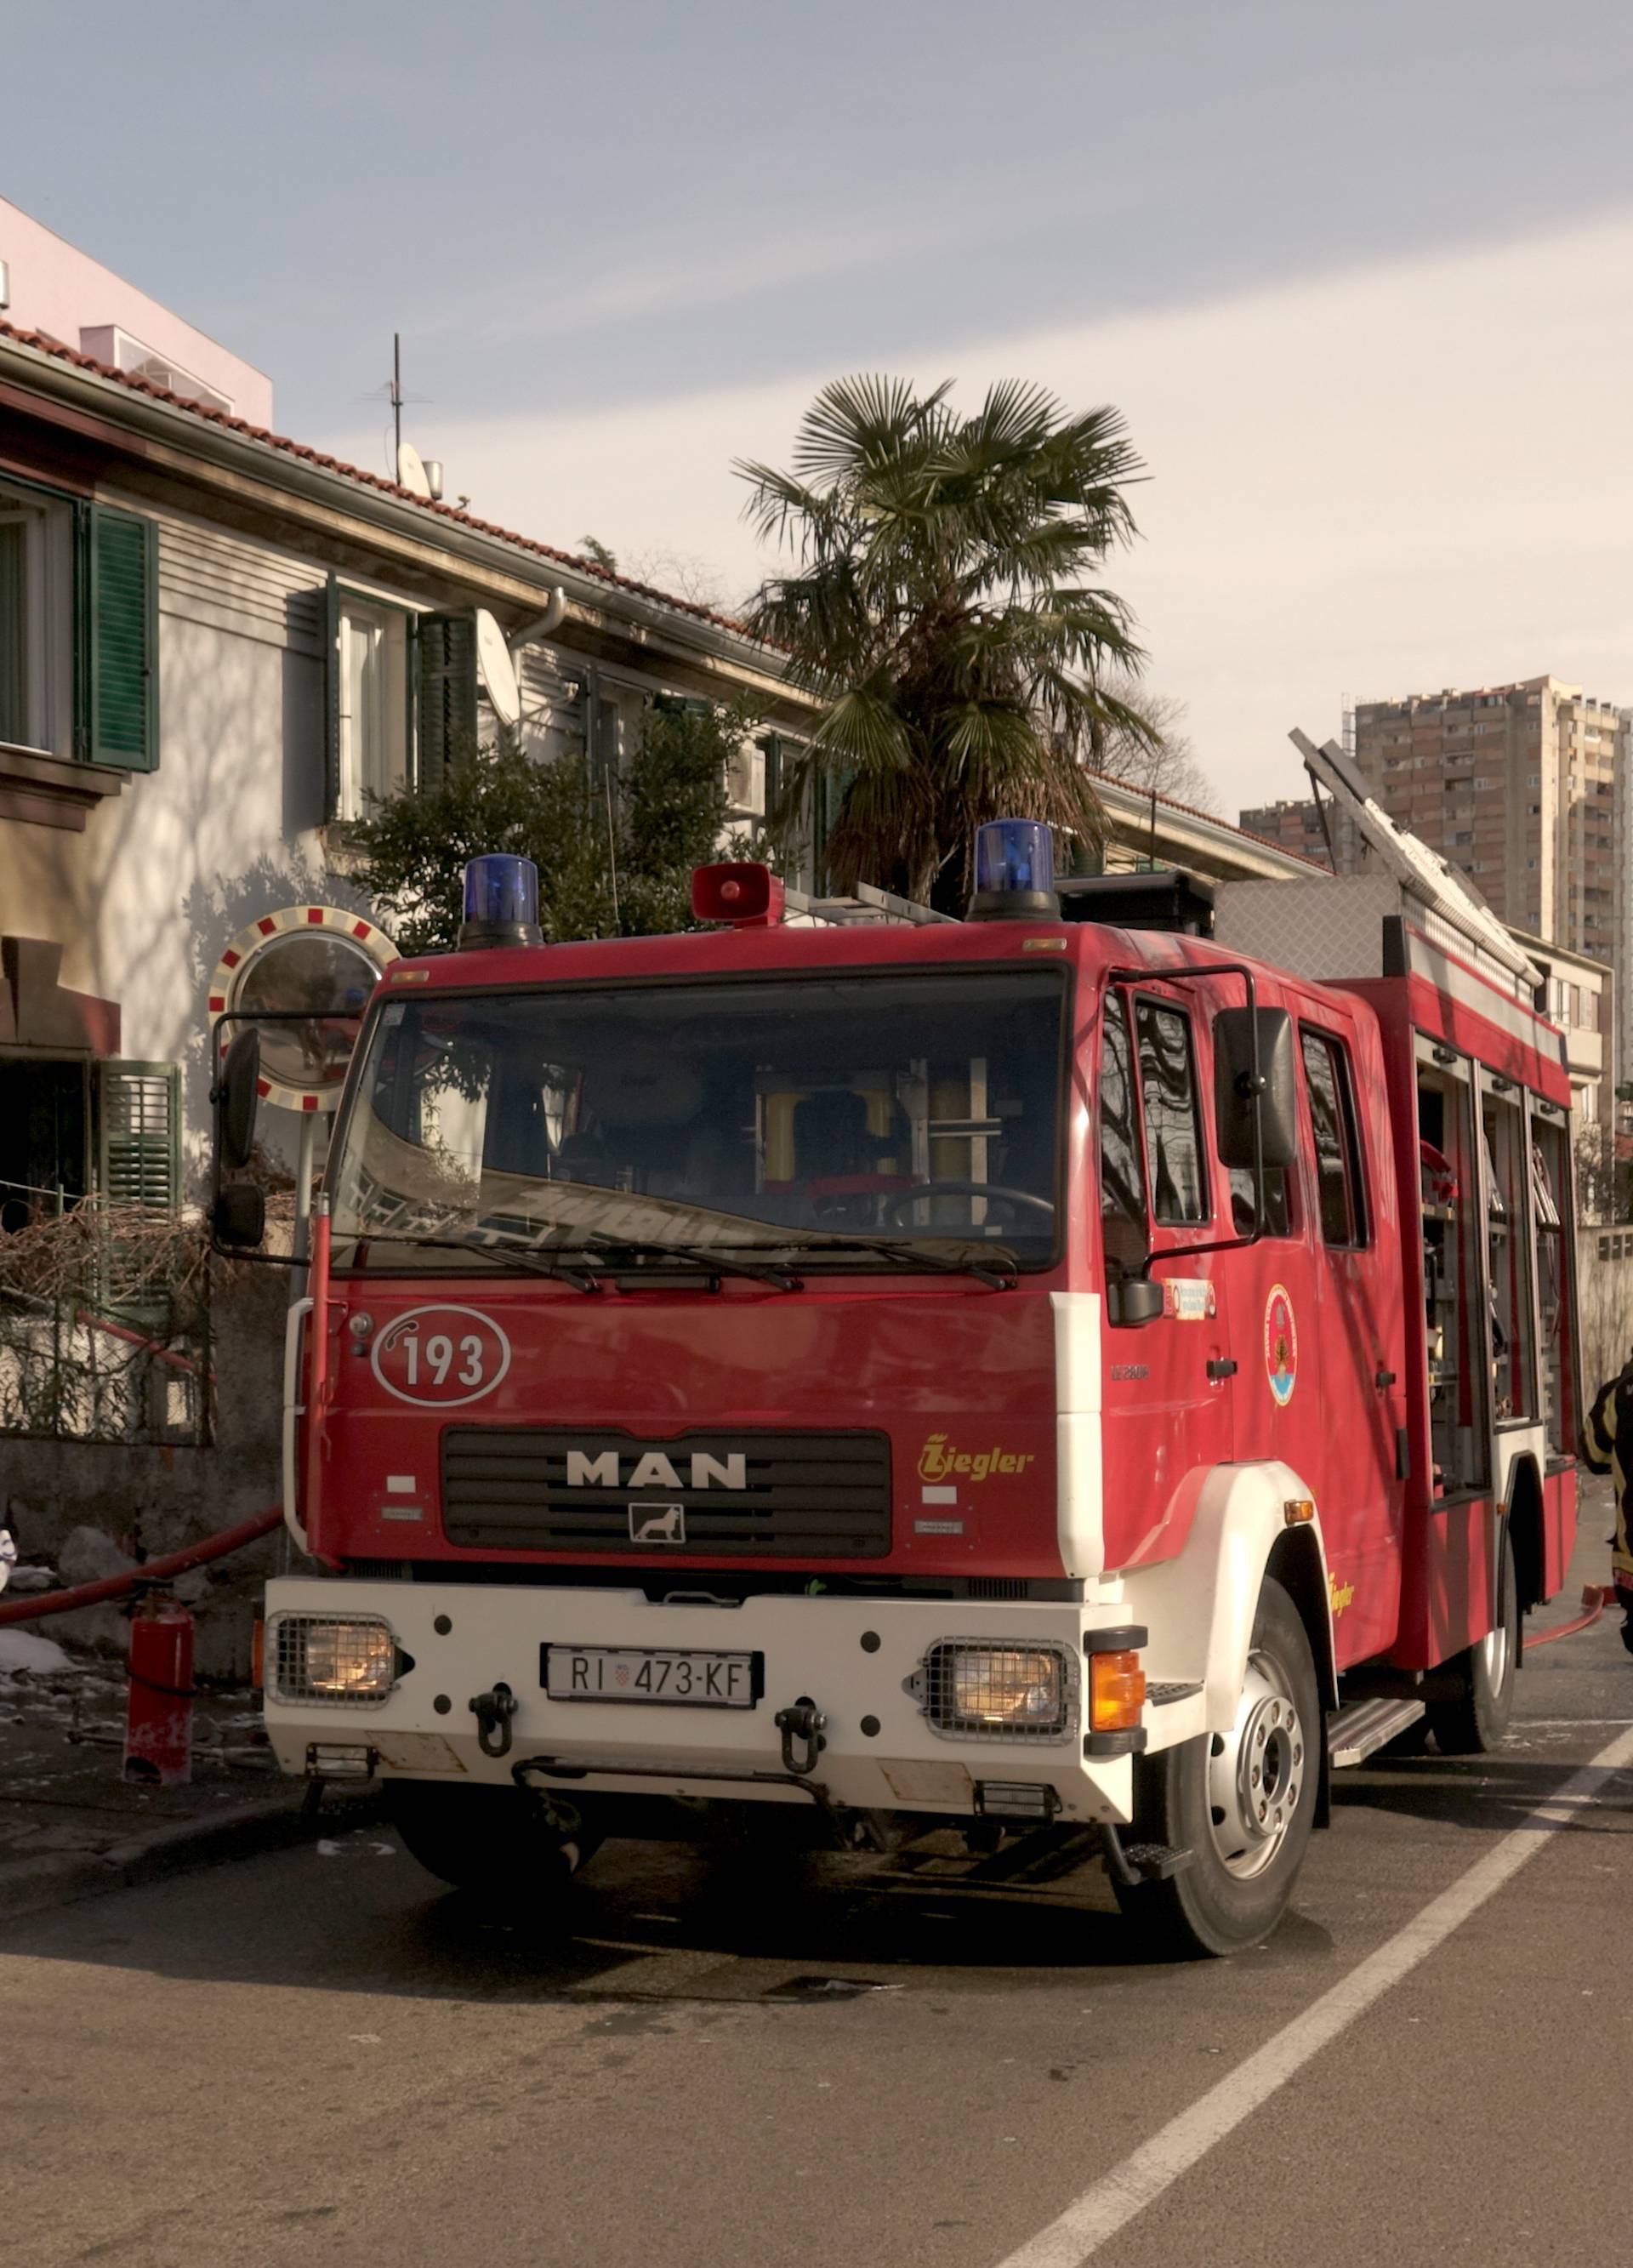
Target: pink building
47, 286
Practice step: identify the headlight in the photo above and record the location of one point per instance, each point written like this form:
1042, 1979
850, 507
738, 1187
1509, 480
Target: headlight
344, 1658
999, 1692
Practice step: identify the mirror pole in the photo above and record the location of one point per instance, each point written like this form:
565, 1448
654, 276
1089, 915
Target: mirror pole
304, 1177
1260, 1194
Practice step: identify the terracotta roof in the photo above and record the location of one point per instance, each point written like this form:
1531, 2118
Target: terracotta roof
1194, 811
43, 344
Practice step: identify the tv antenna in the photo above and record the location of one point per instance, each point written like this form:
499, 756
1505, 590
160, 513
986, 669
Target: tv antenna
406, 468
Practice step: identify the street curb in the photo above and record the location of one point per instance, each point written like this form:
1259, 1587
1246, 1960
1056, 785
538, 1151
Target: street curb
248, 1830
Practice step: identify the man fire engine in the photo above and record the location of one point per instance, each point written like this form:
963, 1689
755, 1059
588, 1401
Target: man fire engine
1019, 1374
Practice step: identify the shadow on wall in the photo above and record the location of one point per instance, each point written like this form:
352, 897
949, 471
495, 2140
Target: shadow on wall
226, 831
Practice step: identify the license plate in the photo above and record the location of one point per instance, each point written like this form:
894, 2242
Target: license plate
688, 1679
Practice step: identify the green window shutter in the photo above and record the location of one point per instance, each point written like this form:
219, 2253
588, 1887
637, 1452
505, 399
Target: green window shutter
445, 692
138, 1134
331, 700
120, 638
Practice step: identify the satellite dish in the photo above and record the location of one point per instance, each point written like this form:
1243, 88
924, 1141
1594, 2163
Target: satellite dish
497, 670
411, 474
310, 970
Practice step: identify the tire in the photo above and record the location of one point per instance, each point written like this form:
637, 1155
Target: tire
1476, 1721
498, 1841
1202, 1797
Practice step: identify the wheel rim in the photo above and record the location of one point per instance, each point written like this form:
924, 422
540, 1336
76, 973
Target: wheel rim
1257, 1770
1494, 1655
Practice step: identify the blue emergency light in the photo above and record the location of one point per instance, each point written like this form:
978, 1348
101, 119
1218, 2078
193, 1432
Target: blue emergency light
1014, 873
501, 902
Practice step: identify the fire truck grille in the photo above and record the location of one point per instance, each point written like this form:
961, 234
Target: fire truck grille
760, 1495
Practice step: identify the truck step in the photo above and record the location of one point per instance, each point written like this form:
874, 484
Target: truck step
1355, 1734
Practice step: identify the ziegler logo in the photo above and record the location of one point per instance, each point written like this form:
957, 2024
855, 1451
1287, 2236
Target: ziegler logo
656, 1470
940, 1461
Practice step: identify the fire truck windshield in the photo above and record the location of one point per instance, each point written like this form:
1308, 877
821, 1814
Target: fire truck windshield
771, 1114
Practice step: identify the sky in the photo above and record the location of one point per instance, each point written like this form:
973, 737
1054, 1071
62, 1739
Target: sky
1357, 276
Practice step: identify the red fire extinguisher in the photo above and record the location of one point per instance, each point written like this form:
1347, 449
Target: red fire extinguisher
158, 1712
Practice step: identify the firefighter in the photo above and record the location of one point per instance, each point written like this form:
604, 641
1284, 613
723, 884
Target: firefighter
1608, 1448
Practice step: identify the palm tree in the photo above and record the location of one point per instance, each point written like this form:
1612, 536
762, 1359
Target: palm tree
942, 612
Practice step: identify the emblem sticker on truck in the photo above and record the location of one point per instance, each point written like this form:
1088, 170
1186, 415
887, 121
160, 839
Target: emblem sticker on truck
441, 1355
1281, 1345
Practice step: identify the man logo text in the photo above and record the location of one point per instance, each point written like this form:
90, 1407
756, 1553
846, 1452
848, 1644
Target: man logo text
656, 1470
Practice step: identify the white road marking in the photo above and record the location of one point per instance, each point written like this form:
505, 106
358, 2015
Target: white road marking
1109, 2203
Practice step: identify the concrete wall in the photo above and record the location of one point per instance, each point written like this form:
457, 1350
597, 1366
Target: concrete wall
1604, 1302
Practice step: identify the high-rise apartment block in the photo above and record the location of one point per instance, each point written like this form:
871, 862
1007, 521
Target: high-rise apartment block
1324, 832
1525, 789
1516, 784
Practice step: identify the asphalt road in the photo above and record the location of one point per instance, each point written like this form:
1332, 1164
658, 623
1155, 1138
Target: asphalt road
321, 2055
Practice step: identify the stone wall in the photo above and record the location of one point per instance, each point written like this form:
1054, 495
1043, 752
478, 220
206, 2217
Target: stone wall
90, 1509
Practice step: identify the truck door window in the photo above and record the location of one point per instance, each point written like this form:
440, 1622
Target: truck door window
1548, 1196
1122, 1169
1508, 1237
1172, 1118
1452, 1290
1340, 1179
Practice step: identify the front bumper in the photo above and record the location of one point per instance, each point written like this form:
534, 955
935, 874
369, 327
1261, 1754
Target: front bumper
855, 1660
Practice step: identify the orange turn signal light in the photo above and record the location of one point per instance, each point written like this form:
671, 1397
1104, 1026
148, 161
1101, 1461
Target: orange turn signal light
1116, 1692
1297, 1509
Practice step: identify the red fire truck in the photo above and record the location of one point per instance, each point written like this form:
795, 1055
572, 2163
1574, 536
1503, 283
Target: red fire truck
1051, 1374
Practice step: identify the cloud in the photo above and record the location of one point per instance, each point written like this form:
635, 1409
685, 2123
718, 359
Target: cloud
1404, 477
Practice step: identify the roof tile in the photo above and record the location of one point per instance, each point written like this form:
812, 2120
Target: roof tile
44, 344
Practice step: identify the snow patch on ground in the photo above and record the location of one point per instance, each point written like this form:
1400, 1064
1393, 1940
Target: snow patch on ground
21, 1649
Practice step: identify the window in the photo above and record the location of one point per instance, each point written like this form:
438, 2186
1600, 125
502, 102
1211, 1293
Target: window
1277, 1210
765, 1114
1340, 1180
1172, 1121
36, 612
1123, 1169
69, 1126
1509, 1185
373, 708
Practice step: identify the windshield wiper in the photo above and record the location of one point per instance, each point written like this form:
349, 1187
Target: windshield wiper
1003, 1277
529, 1259
704, 1257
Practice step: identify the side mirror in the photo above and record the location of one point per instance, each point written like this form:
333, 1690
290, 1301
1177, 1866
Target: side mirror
1233, 1086
1135, 1299
236, 1095
239, 1219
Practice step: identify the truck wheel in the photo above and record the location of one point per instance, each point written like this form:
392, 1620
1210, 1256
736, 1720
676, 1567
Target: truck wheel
1474, 1721
1242, 1803
497, 1840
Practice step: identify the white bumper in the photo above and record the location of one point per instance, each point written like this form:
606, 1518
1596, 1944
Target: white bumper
853, 1658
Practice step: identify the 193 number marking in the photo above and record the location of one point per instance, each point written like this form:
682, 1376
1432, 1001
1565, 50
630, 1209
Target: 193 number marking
441, 1355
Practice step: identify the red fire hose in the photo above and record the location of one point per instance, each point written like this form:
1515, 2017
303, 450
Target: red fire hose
1595, 1598
151, 1571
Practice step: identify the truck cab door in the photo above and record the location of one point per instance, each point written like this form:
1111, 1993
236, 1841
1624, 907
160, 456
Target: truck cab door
1166, 1399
